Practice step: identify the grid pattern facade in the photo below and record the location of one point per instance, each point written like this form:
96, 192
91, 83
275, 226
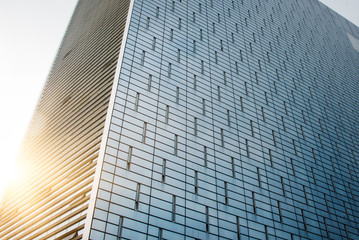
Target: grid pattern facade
61, 148
233, 120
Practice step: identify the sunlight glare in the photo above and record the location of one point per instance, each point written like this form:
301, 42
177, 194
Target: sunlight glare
9, 174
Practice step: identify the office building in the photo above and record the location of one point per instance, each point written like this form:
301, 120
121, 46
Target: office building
197, 119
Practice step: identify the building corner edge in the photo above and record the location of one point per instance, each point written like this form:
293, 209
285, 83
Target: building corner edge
96, 180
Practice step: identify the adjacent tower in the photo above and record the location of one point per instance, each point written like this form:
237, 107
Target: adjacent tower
197, 119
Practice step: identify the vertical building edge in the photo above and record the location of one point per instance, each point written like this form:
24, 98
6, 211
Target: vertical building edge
96, 180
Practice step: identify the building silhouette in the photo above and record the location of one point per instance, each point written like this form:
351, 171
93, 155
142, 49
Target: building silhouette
197, 119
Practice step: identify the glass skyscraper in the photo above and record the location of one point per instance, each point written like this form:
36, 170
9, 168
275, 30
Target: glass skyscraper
214, 119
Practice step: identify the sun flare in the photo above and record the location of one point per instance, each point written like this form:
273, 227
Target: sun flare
9, 174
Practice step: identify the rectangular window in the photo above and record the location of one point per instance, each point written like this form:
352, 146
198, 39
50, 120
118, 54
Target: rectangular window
154, 43
346, 231
263, 115
137, 197
304, 223
233, 167
195, 126
167, 114
283, 186
148, 22
266, 231
331, 179
129, 157
320, 141
144, 132
302, 131
224, 78
283, 124
149, 82
266, 98
179, 23
157, 12
160, 234
247, 148
207, 219
254, 203
202, 66
238, 229
137, 101
120, 226
179, 55
177, 95
280, 212
270, 157
205, 156
326, 227
222, 138
346, 210
252, 130
195, 82
176, 145
194, 46
143, 58
305, 195
259, 178
273, 136
195, 182
315, 181
294, 148
292, 93
169, 69
326, 202
241, 102
173, 208
219, 93
304, 120
285, 107
203, 106
163, 170
171, 35
228, 118
225, 193
350, 172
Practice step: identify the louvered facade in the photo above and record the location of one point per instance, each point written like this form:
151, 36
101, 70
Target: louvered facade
194, 119
62, 145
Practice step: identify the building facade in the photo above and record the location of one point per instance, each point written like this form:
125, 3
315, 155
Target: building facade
198, 119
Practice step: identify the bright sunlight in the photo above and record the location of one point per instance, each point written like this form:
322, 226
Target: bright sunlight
9, 173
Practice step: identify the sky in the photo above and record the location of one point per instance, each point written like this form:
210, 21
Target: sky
30, 34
